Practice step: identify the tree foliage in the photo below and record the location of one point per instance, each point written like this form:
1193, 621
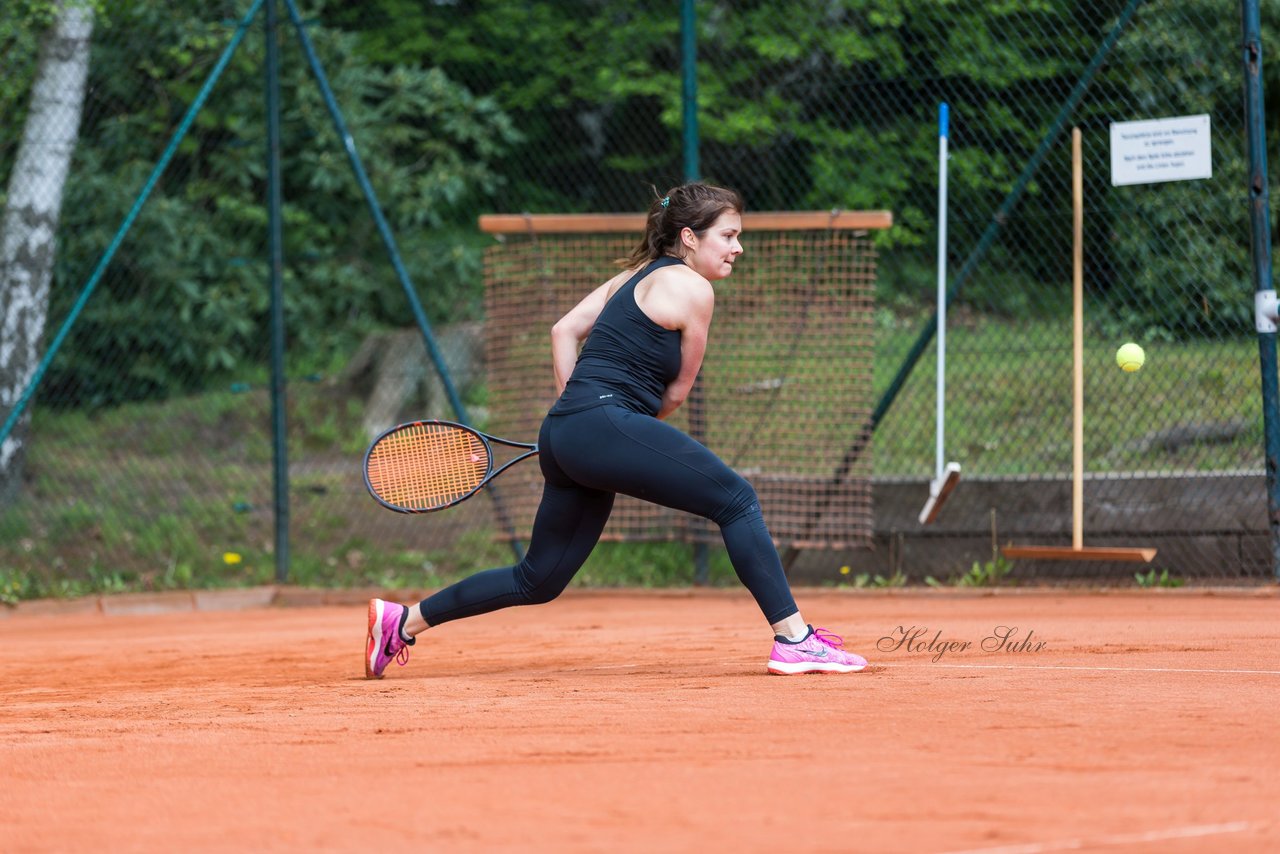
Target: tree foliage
187, 293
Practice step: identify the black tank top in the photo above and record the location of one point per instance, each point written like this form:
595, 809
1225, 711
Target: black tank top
628, 359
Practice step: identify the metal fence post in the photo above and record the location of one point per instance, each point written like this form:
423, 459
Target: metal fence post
1260, 253
689, 96
275, 251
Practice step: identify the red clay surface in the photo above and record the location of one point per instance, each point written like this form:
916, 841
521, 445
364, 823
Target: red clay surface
647, 722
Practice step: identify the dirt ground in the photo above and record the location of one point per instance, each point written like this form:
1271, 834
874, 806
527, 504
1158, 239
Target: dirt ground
631, 721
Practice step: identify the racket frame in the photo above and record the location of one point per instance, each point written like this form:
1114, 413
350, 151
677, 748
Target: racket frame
486, 440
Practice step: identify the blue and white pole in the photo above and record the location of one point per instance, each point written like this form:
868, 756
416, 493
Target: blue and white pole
942, 286
945, 474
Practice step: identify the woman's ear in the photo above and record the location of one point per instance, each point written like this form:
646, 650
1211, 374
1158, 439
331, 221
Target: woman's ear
688, 239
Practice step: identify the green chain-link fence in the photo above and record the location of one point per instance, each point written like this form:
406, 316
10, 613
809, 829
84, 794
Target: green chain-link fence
146, 459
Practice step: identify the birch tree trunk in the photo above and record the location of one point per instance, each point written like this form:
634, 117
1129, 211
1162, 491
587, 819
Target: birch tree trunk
31, 214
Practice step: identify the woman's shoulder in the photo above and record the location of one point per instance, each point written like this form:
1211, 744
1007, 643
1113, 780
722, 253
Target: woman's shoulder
677, 295
683, 277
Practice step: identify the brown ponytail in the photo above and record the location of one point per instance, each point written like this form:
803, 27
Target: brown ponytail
695, 206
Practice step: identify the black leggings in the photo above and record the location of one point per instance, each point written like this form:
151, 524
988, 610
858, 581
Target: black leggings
586, 458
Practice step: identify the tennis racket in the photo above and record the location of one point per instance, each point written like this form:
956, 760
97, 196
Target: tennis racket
430, 465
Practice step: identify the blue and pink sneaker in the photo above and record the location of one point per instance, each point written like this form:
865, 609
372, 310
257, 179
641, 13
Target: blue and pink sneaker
818, 652
385, 643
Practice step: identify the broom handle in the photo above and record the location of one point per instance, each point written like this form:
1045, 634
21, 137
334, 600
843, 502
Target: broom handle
1077, 403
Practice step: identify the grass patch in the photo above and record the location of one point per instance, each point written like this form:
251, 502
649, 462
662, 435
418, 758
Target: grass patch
1194, 406
1150, 579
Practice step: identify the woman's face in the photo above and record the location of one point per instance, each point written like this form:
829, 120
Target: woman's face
714, 252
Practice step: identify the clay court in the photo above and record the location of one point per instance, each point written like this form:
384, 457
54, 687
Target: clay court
646, 722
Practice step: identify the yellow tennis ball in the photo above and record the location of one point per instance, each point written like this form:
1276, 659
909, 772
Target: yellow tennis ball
1130, 357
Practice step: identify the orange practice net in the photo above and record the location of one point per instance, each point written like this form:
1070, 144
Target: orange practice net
785, 385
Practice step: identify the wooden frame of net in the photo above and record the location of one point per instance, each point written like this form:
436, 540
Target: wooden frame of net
785, 383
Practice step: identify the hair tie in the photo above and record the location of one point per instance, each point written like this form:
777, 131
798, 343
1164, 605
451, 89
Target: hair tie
666, 200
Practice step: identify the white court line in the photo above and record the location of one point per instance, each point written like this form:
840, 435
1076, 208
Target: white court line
1121, 839
1076, 667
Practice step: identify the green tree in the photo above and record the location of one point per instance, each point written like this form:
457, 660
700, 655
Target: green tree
187, 293
594, 88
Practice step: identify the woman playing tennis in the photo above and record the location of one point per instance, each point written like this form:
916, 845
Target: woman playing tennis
645, 333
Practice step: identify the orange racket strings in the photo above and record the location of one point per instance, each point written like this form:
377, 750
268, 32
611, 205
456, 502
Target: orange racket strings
425, 466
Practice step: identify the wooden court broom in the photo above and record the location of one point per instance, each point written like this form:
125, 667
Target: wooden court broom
1078, 550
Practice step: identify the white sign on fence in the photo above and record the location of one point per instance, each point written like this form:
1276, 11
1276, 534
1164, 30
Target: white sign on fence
1148, 152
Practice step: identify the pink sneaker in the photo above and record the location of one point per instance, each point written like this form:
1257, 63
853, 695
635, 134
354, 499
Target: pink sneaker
384, 643
819, 652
